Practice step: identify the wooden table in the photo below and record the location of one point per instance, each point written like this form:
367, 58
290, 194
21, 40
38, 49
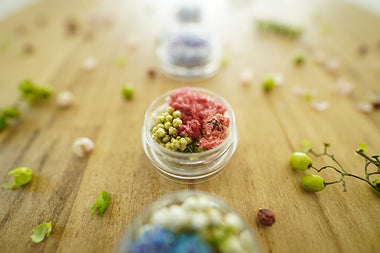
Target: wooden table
271, 126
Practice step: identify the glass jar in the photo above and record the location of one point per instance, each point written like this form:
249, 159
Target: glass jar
188, 221
189, 50
188, 167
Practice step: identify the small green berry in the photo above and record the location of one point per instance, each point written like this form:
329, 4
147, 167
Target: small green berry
300, 161
268, 83
376, 182
313, 183
128, 91
299, 60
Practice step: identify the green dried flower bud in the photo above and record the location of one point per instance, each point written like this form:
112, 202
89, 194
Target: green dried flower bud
165, 114
183, 142
170, 110
169, 118
160, 126
160, 132
172, 131
177, 114
188, 139
160, 119
166, 138
169, 145
128, 90
167, 125
313, 183
177, 122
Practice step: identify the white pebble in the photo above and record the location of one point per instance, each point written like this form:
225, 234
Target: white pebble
364, 106
246, 76
90, 63
64, 99
320, 106
82, 146
343, 87
234, 221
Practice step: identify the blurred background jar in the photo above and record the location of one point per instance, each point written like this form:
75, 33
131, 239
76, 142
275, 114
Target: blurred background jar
189, 50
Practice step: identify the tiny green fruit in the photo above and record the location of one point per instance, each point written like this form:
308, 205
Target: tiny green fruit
376, 183
128, 91
300, 161
313, 183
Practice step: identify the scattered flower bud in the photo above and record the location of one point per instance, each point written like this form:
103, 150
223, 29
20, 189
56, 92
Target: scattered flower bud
128, 91
266, 217
65, 99
364, 106
246, 76
343, 88
320, 106
90, 63
82, 146
333, 66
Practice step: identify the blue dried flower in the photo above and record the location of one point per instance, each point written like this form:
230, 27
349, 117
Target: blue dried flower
156, 240
191, 243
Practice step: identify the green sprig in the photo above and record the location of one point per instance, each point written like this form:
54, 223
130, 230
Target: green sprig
279, 28
338, 168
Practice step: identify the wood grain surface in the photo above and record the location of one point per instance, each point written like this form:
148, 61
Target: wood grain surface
271, 126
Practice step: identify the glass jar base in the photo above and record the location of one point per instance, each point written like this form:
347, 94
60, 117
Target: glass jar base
185, 175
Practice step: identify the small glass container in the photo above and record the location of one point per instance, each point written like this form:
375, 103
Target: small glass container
188, 221
190, 50
188, 168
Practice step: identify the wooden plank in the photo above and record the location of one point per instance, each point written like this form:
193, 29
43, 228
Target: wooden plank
270, 126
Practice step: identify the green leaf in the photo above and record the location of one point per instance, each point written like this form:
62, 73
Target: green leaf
306, 145
362, 148
101, 203
21, 176
11, 113
32, 93
41, 231
3, 123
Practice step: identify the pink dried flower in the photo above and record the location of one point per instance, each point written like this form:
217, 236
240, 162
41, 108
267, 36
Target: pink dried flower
320, 105
343, 87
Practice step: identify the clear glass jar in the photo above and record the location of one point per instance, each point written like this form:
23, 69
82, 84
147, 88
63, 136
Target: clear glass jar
188, 168
189, 50
188, 221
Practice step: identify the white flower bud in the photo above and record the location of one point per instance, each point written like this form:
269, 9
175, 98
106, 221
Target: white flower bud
65, 99
82, 146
